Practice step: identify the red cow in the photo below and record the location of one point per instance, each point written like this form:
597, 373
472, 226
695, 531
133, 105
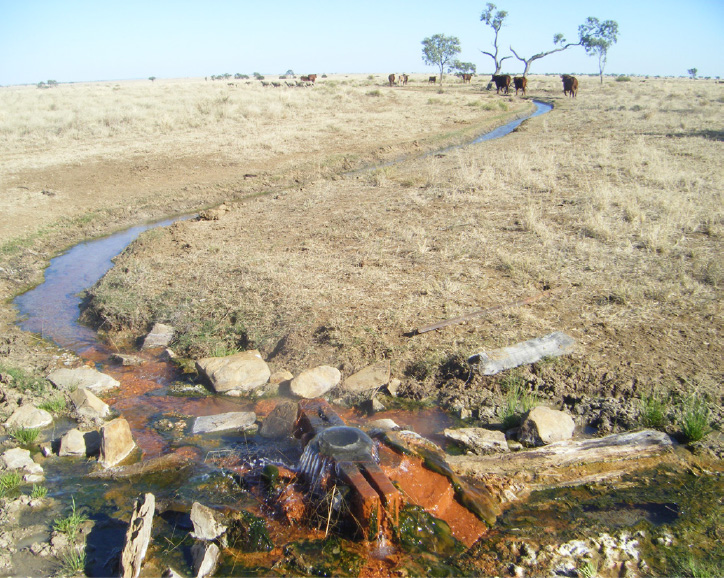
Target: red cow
391, 78
520, 83
502, 82
467, 78
570, 85
312, 78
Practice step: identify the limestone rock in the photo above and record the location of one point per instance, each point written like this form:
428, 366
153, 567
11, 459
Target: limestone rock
479, 440
28, 417
233, 420
207, 522
127, 360
369, 378
160, 336
384, 424
138, 536
82, 377
281, 376
315, 382
88, 404
235, 374
72, 444
544, 425
116, 442
280, 421
18, 458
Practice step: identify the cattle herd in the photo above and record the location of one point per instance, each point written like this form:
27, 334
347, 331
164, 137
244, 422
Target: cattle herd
502, 82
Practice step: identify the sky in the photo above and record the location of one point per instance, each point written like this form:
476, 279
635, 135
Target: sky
90, 40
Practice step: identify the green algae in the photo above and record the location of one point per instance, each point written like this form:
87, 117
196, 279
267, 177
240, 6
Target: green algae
327, 557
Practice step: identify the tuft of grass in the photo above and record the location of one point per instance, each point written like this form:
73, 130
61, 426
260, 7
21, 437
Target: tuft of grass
56, 405
518, 400
375, 92
653, 410
9, 481
24, 381
73, 561
25, 436
70, 524
39, 492
694, 418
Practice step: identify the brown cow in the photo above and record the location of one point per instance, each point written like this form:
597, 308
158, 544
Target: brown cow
520, 83
570, 85
467, 78
432, 80
391, 78
312, 78
404, 78
502, 82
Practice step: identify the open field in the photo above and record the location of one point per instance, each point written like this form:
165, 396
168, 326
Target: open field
613, 199
327, 234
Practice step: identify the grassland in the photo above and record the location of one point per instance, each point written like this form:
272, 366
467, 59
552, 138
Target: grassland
614, 199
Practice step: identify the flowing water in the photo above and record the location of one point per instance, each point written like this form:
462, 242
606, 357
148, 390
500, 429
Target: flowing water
219, 462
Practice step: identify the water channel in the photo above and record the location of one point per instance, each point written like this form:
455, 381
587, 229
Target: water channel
221, 463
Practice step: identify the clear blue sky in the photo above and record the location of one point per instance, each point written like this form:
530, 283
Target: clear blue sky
82, 40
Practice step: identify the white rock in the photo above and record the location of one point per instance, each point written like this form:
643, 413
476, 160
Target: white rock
160, 336
497, 360
315, 382
82, 377
29, 417
544, 425
479, 440
235, 374
88, 404
116, 442
207, 522
371, 377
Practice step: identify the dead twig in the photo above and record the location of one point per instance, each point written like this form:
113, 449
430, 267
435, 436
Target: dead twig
481, 312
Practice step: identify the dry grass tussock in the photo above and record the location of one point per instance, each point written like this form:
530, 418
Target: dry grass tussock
614, 198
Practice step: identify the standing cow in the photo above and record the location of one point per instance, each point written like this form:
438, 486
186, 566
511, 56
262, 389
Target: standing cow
432, 80
570, 85
403, 79
520, 83
391, 79
502, 82
467, 78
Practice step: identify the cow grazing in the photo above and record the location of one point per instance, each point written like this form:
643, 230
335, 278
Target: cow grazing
570, 85
520, 83
432, 80
502, 82
391, 78
404, 78
467, 78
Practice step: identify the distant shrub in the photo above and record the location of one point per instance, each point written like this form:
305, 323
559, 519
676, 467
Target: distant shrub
375, 92
623, 78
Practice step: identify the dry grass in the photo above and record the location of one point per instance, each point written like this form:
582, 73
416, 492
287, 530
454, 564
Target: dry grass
614, 197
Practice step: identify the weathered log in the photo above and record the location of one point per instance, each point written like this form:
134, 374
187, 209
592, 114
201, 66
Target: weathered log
570, 462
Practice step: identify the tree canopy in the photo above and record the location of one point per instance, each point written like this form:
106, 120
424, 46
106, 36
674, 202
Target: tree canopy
495, 21
440, 50
596, 38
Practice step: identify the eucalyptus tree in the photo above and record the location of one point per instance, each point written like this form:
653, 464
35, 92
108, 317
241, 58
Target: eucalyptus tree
440, 50
558, 40
597, 37
495, 20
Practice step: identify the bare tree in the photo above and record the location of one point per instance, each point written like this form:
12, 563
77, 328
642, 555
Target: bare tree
495, 21
558, 40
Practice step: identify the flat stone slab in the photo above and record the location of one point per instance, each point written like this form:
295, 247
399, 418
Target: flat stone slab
28, 417
371, 377
479, 440
233, 420
82, 377
160, 336
497, 360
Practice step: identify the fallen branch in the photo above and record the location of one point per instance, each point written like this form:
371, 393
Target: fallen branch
480, 313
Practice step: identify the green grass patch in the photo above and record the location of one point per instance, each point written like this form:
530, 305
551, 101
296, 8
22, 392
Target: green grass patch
694, 418
39, 492
56, 405
24, 381
25, 436
653, 410
73, 561
9, 481
70, 524
518, 400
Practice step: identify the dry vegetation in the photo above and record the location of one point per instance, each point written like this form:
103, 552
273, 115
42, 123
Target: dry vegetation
614, 199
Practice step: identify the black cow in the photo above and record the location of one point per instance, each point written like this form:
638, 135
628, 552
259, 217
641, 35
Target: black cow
432, 80
502, 82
